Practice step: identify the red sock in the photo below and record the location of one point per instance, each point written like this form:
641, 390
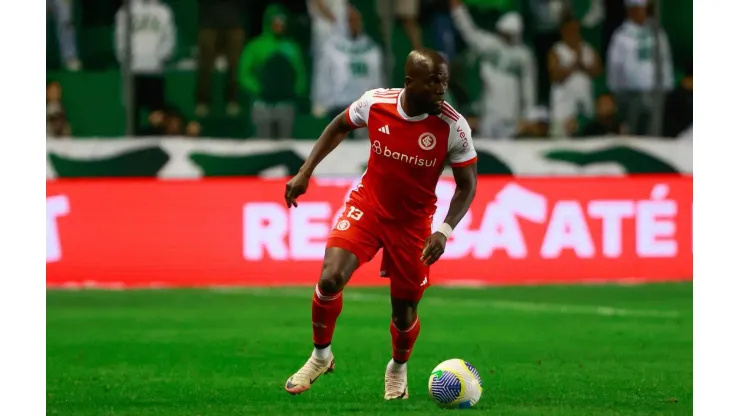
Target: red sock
403, 340
324, 313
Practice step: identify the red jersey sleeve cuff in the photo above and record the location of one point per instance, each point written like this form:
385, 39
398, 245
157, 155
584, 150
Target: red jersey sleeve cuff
465, 163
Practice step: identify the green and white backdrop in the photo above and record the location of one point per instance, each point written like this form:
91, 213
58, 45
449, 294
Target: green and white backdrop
194, 158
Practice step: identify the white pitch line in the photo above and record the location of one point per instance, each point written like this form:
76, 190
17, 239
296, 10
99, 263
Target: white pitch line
480, 303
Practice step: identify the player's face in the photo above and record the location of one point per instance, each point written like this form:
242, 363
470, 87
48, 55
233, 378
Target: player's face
432, 88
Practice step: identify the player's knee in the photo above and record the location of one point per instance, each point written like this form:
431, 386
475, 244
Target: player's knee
403, 319
332, 280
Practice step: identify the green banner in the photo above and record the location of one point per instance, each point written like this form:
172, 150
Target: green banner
188, 158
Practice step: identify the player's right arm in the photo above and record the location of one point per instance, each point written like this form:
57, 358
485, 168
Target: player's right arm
463, 159
352, 118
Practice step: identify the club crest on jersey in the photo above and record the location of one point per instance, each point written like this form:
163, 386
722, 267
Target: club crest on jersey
427, 141
343, 225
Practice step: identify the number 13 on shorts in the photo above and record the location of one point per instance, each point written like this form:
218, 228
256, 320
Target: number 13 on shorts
351, 213
354, 213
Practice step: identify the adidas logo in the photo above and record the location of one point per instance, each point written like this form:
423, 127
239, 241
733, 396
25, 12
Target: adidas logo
424, 282
385, 129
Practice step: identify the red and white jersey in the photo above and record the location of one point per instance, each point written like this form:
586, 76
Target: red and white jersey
407, 154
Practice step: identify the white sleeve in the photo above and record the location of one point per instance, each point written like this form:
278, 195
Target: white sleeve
377, 71
460, 150
359, 111
615, 56
668, 76
589, 54
529, 80
168, 39
120, 38
595, 14
477, 39
322, 78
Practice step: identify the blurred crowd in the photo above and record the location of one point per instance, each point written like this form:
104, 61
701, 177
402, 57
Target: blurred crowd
535, 86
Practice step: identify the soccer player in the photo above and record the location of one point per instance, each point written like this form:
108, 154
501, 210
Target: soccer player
413, 131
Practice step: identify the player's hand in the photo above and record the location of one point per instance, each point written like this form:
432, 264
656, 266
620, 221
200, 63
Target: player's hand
434, 247
295, 188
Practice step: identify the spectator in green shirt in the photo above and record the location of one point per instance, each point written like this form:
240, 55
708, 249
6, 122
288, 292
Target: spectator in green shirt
273, 73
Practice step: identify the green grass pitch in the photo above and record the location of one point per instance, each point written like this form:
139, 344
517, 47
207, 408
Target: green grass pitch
545, 350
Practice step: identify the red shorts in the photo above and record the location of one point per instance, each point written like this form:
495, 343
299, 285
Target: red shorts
359, 231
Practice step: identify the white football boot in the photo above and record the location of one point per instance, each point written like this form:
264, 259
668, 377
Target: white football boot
396, 382
310, 372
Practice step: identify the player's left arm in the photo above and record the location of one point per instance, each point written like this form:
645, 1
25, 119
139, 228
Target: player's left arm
464, 161
466, 182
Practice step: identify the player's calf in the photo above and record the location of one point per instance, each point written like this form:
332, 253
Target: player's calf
327, 303
405, 327
403, 341
396, 378
325, 310
339, 264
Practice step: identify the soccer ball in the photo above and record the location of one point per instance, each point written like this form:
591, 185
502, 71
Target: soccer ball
455, 384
